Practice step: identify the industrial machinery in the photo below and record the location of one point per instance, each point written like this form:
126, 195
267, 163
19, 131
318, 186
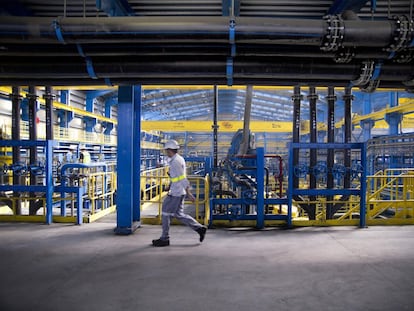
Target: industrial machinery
248, 185
43, 181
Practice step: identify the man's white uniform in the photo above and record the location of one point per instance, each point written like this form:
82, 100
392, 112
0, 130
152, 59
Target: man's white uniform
173, 205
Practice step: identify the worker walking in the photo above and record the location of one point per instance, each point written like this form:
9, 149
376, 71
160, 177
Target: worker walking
173, 205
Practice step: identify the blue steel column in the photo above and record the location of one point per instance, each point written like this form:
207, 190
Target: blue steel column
393, 119
260, 187
368, 124
125, 161
136, 213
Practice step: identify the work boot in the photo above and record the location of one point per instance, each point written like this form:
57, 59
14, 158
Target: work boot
202, 232
160, 243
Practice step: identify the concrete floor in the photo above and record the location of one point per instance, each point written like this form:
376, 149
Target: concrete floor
66, 267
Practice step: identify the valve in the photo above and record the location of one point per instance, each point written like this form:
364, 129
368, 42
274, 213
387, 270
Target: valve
18, 168
234, 211
3, 169
249, 196
301, 170
37, 169
356, 171
320, 170
338, 171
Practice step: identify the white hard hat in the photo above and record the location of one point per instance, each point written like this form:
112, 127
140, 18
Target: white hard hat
171, 144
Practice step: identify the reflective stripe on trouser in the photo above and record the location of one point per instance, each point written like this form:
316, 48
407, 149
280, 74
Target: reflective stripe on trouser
174, 207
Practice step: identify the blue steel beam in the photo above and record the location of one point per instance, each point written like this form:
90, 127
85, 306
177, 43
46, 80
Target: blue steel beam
340, 6
115, 7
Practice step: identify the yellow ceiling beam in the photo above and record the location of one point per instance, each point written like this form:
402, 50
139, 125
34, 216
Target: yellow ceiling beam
224, 126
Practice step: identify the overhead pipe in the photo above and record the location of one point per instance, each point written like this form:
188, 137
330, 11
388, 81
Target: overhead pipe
210, 29
152, 68
180, 49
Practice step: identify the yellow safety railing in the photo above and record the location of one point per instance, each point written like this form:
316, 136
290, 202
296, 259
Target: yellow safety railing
8, 212
390, 197
347, 214
153, 185
100, 191
66, 134
101, 188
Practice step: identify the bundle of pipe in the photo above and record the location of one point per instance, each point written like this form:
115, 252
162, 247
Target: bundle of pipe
199, 50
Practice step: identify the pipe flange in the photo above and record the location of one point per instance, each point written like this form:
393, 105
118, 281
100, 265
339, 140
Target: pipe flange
297, 97
367, 70
13, 96
334, 36
403, 34
49, 96
370, 87
344, 56
331, 97
313, 97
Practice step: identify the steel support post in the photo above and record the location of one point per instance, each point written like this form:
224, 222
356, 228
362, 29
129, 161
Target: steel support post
32, 97
49, 181
394, 121
48, 96
348, 97
297, 97
260, 188
331, 98
366, 126
215, 126
16, 101
127, 161
313, 161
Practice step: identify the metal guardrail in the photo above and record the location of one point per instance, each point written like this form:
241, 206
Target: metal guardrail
390, 197
153, 183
